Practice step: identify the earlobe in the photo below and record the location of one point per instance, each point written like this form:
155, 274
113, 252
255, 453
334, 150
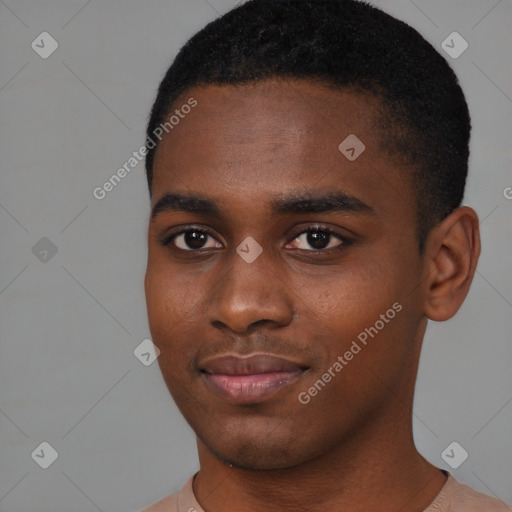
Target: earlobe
452, 252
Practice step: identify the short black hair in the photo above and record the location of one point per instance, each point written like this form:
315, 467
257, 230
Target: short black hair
346, 44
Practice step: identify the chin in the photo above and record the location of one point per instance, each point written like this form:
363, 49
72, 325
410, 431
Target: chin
256, 452
254, 458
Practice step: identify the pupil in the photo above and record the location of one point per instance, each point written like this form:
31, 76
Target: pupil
195, 239
318, 239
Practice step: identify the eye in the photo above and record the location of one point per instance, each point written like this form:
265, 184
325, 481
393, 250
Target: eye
320, 239
192, 239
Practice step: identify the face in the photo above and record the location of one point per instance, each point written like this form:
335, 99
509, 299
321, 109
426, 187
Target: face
283, 277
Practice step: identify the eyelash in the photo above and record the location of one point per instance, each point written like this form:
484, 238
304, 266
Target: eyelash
167, 240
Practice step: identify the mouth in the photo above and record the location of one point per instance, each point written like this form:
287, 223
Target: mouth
249, 380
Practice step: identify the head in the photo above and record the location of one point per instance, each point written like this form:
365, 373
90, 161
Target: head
256, 159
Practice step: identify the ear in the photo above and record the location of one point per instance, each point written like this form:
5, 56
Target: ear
452, 251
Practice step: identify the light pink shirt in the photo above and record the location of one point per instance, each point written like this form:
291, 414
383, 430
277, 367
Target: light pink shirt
453, 497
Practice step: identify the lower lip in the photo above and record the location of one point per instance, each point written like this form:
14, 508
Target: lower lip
247, 389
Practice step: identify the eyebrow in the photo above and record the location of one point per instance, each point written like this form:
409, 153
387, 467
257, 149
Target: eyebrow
309, 202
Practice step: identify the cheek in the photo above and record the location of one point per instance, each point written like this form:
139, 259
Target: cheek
176, 305
349, 299
169, 289
362, 311
170, 301
169, 307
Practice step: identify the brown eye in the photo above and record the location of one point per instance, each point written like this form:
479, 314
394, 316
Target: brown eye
317, 240
192, 240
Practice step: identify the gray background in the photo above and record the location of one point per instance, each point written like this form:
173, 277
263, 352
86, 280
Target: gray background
69, 325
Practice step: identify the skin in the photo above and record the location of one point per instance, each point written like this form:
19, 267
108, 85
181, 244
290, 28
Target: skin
351, 447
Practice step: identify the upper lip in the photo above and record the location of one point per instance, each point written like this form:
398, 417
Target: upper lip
249, 365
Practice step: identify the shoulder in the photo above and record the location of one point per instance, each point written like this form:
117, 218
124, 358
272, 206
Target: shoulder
458, 497
183, 501
168, 504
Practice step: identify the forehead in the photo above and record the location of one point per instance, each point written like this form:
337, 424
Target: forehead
269, 137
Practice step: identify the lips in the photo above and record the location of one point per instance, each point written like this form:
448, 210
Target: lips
249, 379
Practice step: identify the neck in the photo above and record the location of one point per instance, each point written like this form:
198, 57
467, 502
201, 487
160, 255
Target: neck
377, 469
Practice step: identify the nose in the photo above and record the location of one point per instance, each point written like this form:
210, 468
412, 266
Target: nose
250, 294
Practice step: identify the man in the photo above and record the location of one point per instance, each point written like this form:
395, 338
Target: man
306, 165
